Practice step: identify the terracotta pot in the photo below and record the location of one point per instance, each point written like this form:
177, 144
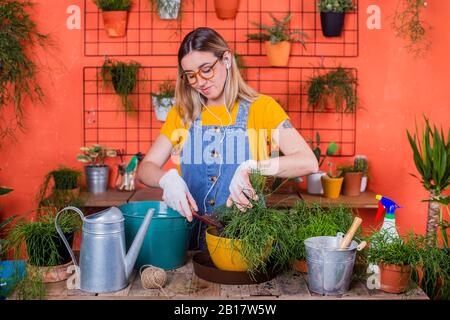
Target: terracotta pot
394, 278
352, 184
331, 186
226, 9
51, 274
300, 266
278, 54
115, 23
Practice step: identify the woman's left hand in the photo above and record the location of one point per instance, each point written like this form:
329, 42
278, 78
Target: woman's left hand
240, 187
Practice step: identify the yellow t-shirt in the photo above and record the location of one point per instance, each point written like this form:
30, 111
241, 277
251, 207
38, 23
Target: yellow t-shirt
265, 114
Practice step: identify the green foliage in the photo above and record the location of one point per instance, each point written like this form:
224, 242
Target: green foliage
264, 232
331, 149
19, 39
431, 157
113, 5
330, 171
166, 90
384, 248
65, 178
311, 220
123, 76
361, 164
339, 84
335, 5
278, 32
348, 168
5, 190
408, 25
95, 155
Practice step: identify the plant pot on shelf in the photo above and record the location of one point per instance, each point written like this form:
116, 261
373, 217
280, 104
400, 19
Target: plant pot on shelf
331, 186
226, 9
314, 184
394, 278
278, 53
51, 274
363, 183
115, 23
168, 9
162, 107
352, 184
332, 23
97, 178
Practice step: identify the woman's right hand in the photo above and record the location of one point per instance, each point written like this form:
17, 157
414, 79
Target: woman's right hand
176, 194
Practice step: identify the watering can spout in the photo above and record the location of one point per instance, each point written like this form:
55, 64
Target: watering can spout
133, 252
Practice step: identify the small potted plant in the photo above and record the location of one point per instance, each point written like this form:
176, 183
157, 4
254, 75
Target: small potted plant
65, 184
226, 9
97, 172
352, 180
331, 183
164, 99
362, 164
123, 77
115, 16
314, 185
277, 39
168, 9
332, 15
395, 256
336, 86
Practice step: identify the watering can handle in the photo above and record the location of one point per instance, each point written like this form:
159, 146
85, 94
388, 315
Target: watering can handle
350, 233
61, 234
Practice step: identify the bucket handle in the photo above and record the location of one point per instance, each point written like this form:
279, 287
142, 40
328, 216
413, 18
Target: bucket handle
61, 234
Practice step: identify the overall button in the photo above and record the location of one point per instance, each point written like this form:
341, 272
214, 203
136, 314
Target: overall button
213, 178
212, 202
214, 154
217, 129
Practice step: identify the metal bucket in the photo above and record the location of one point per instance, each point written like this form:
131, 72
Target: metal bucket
97, 178
329, 268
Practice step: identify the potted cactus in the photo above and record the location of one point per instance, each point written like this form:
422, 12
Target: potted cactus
362, 163
352, 180
277, 39
97, 173
164, 99
115, 16
314, 185
332, 15
331, 183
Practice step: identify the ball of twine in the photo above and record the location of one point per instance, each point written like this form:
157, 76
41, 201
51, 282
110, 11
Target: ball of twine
153, 277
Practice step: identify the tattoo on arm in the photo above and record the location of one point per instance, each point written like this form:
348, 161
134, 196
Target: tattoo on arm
286, 124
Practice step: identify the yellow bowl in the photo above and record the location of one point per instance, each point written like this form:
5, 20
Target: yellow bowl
225, 253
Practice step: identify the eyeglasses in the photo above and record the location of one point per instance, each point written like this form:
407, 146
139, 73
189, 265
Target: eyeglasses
206, 73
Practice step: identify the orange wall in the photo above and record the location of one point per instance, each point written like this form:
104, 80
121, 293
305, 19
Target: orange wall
395, 90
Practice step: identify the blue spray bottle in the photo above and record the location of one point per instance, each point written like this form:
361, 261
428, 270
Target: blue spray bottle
389, 218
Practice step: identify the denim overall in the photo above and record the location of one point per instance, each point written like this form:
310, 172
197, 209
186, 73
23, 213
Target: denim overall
204, 150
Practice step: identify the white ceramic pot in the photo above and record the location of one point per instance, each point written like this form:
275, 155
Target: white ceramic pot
363, 183
162, 107
314, 183
168, 9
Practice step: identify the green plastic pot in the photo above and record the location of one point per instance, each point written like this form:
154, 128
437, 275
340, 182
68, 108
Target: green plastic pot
166, 241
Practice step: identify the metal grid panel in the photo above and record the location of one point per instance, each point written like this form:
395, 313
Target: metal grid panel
106, 122
147, 34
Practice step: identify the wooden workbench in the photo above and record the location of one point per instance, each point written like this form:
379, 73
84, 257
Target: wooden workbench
182, 283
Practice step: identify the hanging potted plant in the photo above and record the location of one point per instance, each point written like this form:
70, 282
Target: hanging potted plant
19, 40
277, 40
314, 183
65, 183
352, 180
167, 9
115, 16
164, 99
97, 172
123, 77
311, 220
362, 164
333, 91
331, 183
395, 256
226, 9
252, 241
332, 15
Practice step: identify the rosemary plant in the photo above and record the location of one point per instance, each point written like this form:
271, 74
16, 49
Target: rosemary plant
113, 5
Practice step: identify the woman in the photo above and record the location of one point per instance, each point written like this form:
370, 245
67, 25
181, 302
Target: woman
217, 133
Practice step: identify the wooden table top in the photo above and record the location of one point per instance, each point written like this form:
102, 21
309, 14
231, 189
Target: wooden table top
183, 283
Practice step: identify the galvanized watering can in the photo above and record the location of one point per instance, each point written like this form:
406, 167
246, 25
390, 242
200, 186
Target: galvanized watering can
104, 264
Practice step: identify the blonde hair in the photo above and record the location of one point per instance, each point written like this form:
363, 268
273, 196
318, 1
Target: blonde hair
189, 102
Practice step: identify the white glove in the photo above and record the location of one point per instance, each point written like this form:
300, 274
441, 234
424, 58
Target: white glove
176, 194
240, 183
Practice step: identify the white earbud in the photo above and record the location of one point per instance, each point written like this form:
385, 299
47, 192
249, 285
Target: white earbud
227, 64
